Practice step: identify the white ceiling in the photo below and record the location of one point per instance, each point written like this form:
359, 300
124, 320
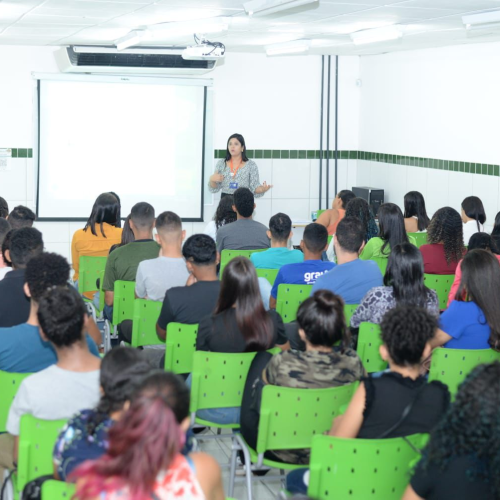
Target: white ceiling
426, 23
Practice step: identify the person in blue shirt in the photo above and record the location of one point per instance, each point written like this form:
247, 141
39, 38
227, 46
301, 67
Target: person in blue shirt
22, 349
279, 232
472, 321
351, 278
314, 242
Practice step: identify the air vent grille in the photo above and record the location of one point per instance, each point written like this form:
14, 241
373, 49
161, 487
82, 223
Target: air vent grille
139, 61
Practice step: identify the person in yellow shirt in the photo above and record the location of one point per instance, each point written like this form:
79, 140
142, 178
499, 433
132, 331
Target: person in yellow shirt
100, 233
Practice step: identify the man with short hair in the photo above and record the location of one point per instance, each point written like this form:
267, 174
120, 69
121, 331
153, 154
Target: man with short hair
5, 227
21, 217
314, 242
280, 233
123, 262
351, 278
244, 233
24, 244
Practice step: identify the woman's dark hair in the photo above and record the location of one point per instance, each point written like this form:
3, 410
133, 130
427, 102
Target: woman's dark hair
144, 442
240, 287
480, 279
495, 234
391, 226
241, 140
119, 218
106, 209
470, 428
446, 227
360, 209
415, 207
483, 241
346, 195
474, 209
321, 316
127, 235
4, 208
225, 213
405, 273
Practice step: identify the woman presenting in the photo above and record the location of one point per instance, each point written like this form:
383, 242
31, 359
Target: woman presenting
236, 171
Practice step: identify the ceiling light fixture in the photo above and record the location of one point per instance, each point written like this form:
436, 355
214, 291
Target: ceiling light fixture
295, 47
265, 7
376, 35
130, 39
484, 20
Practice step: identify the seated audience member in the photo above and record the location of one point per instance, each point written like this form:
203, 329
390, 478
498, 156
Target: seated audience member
460, 461
473, 217
85, 437
376, 409
100, 231
332, 216
351, 278
416, 218
21, 217
62, 389
445, 243
244, 233
122, 264
280, 233
223, 215
154, 426
472, 321
4, 208
127, 235
4, 229
495, 234
392, 232
313, 244
22, 350
403, 285
24, 244
477, 240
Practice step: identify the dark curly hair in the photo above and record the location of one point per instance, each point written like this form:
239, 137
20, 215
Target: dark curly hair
61, 314
471, 428
224, 213
23, 245
360, 209
446, 228
45, 271
4, 208
244, 201
21, 216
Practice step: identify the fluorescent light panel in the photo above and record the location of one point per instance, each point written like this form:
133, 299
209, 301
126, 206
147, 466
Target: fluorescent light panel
376, 35
482, 20
295, 47
265, 7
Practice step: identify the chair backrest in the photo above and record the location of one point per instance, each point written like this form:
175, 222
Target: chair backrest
227, 255
180, 347
91, 268
36, 443
9, 383
451, 366
369, 342
269, 274
146, 314
420, 238
381, 263
290, 417
218, 379
441, 283
57, 490
348, 312
289, 299
123, 301
378, 469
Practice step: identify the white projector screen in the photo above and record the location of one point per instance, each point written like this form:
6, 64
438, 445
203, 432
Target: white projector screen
144, 141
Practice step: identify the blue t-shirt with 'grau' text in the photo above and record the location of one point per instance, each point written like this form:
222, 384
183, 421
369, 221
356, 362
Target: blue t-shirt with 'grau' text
303, 273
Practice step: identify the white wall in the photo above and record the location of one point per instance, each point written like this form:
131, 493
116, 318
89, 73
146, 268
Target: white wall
435, 103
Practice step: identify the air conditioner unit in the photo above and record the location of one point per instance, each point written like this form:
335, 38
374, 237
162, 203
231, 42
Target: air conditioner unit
143, 61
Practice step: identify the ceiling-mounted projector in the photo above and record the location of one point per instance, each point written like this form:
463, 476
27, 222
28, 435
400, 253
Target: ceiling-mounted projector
204, 50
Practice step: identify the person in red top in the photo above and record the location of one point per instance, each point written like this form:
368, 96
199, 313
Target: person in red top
330, 218
445, 247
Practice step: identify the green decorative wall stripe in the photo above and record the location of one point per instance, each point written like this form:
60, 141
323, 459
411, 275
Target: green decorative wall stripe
22, 152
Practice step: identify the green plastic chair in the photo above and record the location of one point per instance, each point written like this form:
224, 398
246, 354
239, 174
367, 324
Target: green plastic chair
289, 299
180, 347
57, 490
289, 419
381, 263
420, 238
441, 283
91, 268
369, 342
451, 366
146, 314
330, 237
269, 274
348, 312
217, 381
227, 255
9, 382
375, 469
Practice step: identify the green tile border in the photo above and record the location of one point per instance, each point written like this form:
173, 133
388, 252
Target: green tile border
21, 152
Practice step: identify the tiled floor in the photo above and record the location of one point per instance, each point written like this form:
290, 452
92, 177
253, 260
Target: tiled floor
221, 450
